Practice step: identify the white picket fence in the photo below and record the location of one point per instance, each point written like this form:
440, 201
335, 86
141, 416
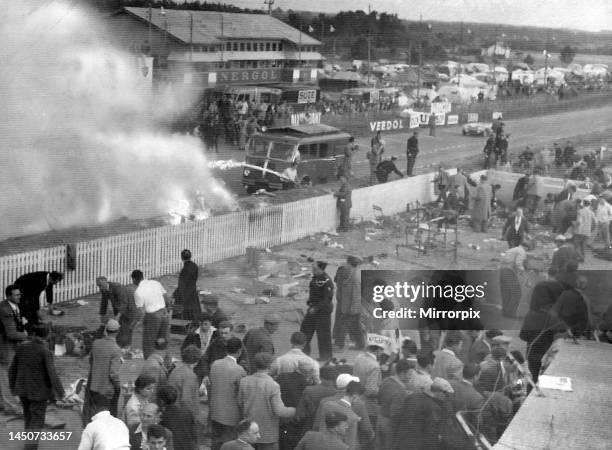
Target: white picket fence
156, 251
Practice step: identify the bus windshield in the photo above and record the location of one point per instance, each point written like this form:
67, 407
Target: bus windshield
282, 151
259, 147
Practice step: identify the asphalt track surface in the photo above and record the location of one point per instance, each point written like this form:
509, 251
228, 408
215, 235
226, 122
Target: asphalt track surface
452, 148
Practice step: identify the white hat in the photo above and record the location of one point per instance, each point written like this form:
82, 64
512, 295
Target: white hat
344, 379
560, 237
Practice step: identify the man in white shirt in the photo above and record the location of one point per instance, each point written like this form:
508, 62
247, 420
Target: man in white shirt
153, 298
104, 432
289, 362
604, 216
290, 173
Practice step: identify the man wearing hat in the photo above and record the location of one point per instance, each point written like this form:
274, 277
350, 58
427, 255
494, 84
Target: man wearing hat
344, 203
583, 228
385, 168
563, 255
482, 346
367, 369
360, 432
318, 315
447, 365
424, 417
259, 340
103, 385
349, 303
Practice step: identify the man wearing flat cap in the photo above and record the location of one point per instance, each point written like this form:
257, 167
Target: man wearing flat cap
259, 340
211, 307
318, 315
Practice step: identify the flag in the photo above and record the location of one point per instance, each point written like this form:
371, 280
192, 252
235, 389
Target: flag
331, 29
310, 29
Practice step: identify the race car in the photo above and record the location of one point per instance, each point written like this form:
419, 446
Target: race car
477, 129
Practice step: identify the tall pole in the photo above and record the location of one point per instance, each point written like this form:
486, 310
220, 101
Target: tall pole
269, 3
190, 37
460, 47
222, 42
369, 30
150, 19
420, 59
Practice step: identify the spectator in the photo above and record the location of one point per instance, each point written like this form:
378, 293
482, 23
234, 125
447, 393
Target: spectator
604, 217
248, 435
336, 426
151, 296
186, 294
390, 399
290, 361
350, 306
516, 229
481, 212
568, 154
33, 379
225, 376
157, 439
148, 429
124, 308
344, 204
12, 334
259, 398
318, 316
144, 392
157, 365
215, 351
359, 433
385, 168
292, 385
202, 336
312, 396
211, 306
259, 340
482, 346
583, 228
367, 369
446, 364
467, 401
185, 381
104, 432
176, 419
103, 380
35, 286
412, 150
374, 156
421, 378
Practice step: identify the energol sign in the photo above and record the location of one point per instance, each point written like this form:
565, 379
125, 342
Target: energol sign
248, 75
387, 125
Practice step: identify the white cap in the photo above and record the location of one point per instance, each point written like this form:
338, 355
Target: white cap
344, 379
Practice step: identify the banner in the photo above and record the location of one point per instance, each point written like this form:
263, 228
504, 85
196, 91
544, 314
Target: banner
496, 115
307, 96
382, 341
472, 117
414, 121
452, 119
441, 107
424, 118
306, 118
440, 119
387, 125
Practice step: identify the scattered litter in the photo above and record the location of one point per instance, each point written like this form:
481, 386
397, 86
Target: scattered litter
474, 246
301, 275
325, 239
263, 277
368, 238
249, 301
82, 302
237, 290
375, 263
204, 292
332, 233
262, 300
336, 245
268, 250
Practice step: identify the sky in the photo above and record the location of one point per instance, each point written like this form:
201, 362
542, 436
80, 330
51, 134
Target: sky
589, 15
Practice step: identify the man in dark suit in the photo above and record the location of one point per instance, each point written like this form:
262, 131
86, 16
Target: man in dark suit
150, 416
225, 376
515, 229
177, 419
469, 401
259, 340
336, 425
12, 333
312, 396
33, 379
105, 362
391, 399
248, 434
32, 285
186, 293
482, 346
124, 309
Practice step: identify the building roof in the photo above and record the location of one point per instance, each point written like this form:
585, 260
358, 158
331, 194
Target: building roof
210, 27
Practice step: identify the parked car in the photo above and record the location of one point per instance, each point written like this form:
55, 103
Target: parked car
477, 129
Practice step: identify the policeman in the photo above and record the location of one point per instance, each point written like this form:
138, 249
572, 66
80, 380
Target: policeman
318, 315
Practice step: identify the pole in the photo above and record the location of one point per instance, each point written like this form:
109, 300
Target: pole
190, 37
300, 47
546, 62
420, 59
222, 41
150, 19
369, 31
459, 67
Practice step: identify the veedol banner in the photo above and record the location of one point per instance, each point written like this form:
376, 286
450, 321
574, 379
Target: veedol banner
414, 121
440, 119
440, 107
387, 125
496, 115
472, 117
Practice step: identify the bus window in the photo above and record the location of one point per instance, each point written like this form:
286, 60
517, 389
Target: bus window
308, 151
340, 149
282, 151
323, 149
259, 147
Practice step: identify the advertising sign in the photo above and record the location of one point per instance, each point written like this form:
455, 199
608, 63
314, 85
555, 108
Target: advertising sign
424, 118
497, 115
387, 125
414, 121
240, 76
472, 117
307, 96
440, 119
440, 107
452, 119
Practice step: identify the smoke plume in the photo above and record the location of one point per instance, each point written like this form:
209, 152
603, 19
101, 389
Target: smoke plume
80, 139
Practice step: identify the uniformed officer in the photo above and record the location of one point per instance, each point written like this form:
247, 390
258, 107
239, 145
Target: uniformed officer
318, 315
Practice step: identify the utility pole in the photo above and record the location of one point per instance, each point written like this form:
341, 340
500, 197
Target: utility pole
369, 32
420, 59
459, 62
190, 37
269, 3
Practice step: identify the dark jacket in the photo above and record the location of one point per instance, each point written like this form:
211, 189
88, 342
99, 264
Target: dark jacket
118, 298
309, 403
385, 168
343, 196
182, 425
520, 189
11, 332
321, 294
31, 285
136, 438
186, 293
419, 423
257, 340
572, 310
215, 351
509, 233
32, 373
412, 146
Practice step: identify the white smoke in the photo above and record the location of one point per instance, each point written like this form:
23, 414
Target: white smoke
80, 135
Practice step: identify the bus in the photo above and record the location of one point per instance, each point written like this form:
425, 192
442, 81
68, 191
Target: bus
319, 150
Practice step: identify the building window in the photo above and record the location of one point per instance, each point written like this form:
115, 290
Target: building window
228, 47
267, 46
242, 65
235, 46
280, 46
262, 47
242, 46
273, 46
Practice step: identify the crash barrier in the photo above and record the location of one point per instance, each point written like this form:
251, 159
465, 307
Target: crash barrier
546, 185
156, 251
